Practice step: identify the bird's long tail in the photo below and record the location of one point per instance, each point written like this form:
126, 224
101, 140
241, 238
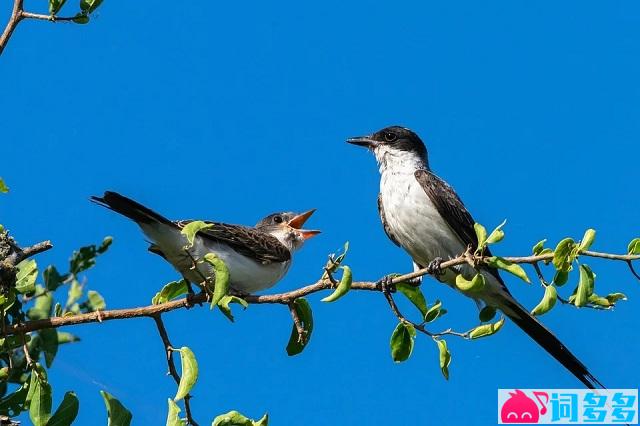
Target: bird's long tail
129, 208
545, 338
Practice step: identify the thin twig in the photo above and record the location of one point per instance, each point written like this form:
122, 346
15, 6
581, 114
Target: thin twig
633, 271
14, 20
52, 18
420, 327
173, 372
302, 333
22, 254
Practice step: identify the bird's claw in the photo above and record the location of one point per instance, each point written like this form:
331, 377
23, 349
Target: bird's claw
386, 285
433, 268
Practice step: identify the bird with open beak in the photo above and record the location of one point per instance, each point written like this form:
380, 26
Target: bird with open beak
257, 257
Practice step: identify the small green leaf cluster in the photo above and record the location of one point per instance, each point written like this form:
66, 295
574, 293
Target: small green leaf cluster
87, 7
563, 258
23, 379
496, 236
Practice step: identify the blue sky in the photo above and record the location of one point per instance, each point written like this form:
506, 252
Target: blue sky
230, 111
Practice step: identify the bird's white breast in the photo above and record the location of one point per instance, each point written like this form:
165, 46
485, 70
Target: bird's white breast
245, 274
414, 220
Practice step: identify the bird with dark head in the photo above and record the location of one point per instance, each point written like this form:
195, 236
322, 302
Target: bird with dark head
395, 144
423, 214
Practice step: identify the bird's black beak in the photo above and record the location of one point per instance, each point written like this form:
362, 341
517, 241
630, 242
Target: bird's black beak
365, 141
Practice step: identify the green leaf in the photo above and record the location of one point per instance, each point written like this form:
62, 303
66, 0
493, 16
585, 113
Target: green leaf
513, 268
585, 286
81, 18
596, 300
170, 291
189, 374
89, 6
13, 404
173, 418
26, 276
118, 414
3, 186
475, 284
296, 342
445, 357
42, 306
562, 255
192, 228
614, 297
634, 246
334, 262
52, 279
223, 304
415, 296
221, 282
75, 292
538, 247
487, 313
548, 301
104, 245
560, 278
434, 312
65, 337
12, 342
7, 300
234, 418
66, 412
343, 287
37, 374
497, 234
587, 239
40, 399
49, 338
95, 301
481, 233
402, 341
55, 6
485, 330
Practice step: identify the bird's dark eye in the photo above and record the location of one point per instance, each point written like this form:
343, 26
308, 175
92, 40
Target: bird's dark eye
277, 219
390, 136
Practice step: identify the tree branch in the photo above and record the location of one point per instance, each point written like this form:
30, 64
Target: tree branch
18, 14
280, 298
14, 20
173, 372
27, 252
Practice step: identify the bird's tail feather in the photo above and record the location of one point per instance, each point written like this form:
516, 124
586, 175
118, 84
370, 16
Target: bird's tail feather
129, 208
545, 338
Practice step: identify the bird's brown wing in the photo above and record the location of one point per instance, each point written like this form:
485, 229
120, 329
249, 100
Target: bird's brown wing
260, 246
452, 210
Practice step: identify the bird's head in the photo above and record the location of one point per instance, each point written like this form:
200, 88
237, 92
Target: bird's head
395, 146
287, 228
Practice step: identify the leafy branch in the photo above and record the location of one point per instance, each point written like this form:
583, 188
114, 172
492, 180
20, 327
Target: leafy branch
17, 334
18, 14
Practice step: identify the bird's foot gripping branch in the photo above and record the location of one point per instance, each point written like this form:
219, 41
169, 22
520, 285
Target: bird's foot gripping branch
31, 315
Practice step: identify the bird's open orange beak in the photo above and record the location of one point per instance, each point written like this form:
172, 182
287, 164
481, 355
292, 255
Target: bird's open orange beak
299, 220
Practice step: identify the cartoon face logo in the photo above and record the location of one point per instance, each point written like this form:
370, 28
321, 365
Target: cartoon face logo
519, 408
